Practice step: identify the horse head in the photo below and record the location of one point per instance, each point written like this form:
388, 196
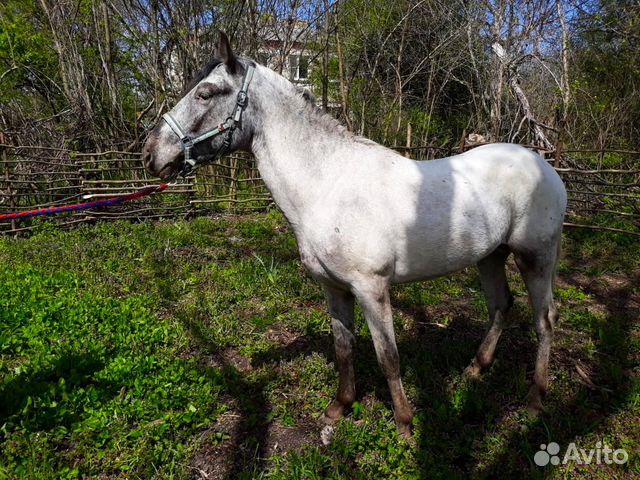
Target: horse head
208, 121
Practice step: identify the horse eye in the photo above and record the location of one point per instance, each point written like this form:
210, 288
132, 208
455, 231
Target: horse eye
206, 91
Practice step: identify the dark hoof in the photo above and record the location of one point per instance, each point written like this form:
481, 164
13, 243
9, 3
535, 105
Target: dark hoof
534, 405
473, 371
535, 410
327, 420
404, 431
333, 413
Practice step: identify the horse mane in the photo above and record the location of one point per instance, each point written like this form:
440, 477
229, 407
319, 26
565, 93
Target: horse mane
201, 75
331, 124
324, 120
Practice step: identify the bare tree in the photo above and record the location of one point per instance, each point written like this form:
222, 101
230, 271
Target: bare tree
65, 32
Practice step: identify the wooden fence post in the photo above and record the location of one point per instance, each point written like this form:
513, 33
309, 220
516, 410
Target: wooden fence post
407, 152
191, 196
7, 178
463, 141
233, 183
559, 145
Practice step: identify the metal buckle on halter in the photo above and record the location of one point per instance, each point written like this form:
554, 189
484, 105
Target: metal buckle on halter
241, 99
188, 143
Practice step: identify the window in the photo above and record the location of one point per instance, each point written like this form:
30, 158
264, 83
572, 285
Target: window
293, 67
303, 68
298, 67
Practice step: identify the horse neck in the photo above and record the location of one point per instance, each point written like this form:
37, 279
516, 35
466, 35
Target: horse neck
294, 151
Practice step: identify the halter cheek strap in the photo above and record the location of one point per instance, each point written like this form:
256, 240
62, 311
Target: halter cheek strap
228, 127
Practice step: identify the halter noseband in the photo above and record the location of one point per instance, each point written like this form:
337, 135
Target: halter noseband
229, 126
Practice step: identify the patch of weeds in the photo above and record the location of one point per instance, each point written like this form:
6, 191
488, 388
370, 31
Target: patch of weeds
310, 464
466, 400
367, 448
256, 230
315, 322
305, 388
580, 318
595, 253
95, 382
419, 294
447, 286
571, 294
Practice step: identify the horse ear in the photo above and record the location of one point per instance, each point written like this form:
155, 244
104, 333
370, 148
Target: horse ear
224, 52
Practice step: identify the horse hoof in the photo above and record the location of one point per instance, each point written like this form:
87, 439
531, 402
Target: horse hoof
326, 420
472, 371
333, 413
535, 410
404, 431
534, 404
534, 407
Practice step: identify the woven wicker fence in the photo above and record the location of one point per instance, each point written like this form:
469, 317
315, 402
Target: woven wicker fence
32, 177
39, 177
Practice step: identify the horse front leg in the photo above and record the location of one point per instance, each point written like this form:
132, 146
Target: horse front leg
375, 303
341, 304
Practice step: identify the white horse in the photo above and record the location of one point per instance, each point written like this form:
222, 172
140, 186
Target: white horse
365, 217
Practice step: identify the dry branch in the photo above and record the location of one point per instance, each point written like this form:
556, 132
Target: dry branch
598, 227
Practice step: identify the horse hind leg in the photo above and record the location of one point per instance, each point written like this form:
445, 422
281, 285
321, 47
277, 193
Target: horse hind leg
499, 300
538, 271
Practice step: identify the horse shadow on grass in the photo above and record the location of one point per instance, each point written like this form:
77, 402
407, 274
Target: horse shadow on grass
245, 452
466, 428
482, 430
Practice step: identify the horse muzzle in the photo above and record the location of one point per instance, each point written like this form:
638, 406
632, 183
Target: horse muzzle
154, 158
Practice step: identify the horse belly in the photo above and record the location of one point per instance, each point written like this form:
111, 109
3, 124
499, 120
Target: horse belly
438, 247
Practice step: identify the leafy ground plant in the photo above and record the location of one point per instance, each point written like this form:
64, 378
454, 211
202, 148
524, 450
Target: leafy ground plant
200, 349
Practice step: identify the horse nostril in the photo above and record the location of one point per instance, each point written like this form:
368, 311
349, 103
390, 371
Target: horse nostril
146, 152
147, 160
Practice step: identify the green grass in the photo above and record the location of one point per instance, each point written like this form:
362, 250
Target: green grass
178, 349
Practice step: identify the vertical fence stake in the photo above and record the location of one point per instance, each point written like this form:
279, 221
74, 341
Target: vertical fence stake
7, 179
559, 145
463, 141
191, 196
407, 152
233, 184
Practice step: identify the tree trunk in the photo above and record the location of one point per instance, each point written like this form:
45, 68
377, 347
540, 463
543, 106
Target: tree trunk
341, 80
497, 81
72, 68
539, 137
325, 58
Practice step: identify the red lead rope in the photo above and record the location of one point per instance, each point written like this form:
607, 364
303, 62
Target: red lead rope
85, 206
